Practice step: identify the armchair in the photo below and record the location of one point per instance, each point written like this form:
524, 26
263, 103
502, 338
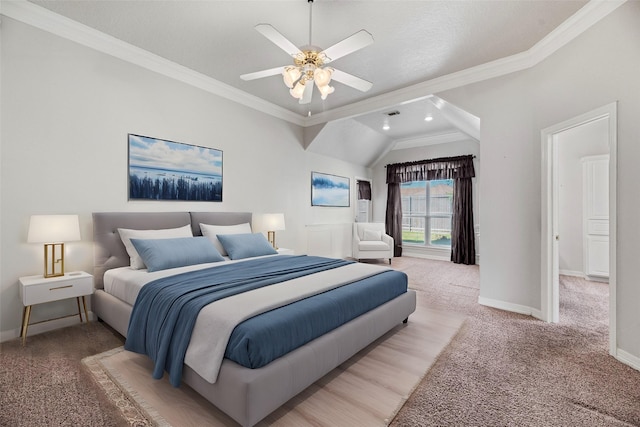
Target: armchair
370, 241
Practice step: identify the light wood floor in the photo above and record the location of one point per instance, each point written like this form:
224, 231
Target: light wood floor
367, 390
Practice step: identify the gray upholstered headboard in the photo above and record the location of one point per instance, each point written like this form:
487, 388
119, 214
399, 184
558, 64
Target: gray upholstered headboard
109, 252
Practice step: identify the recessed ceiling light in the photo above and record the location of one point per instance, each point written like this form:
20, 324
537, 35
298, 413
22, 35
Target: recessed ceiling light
428, 118
385, 126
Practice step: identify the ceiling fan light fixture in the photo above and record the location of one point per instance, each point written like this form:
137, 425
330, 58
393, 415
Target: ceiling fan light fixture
298, 90
325, 91
290, 75
308, 62
322, 76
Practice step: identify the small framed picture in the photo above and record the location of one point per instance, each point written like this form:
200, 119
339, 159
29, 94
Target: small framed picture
329, 190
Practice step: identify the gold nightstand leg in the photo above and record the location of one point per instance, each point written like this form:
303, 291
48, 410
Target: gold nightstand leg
86, 314
79, 311
26, 314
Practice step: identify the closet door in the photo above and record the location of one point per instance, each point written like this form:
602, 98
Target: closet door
596, 215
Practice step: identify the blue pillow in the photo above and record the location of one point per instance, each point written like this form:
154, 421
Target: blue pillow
246, 245
161, 254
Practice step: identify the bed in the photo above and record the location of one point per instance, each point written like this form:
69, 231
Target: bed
246, 395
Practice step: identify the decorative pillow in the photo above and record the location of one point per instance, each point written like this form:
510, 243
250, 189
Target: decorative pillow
126, 235
249, 245
213, 231
372, 235
161, 254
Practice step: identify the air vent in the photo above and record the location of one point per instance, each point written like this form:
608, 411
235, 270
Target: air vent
392, 113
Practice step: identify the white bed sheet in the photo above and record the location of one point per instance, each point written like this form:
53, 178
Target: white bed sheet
125, 283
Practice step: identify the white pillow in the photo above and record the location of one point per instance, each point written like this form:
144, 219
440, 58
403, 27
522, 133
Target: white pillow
212, 231
167, 233
372, 235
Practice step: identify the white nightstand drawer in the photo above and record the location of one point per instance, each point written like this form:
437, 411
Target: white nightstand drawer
37, 290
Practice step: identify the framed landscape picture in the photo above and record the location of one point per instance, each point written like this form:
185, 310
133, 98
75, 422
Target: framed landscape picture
167, 170
329, 190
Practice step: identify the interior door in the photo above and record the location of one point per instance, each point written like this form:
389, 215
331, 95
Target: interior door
596, 215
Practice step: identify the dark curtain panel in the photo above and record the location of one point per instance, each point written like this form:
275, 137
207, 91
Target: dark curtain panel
393, 218
463, 248
364, 190
461, 170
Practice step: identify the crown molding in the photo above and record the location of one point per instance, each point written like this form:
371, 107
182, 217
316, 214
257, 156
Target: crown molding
590, 14
44, 19
579, 22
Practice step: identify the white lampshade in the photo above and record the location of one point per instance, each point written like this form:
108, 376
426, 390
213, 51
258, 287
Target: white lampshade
322, 76
268, 222
325, 91
290, 75
298, 90
53, 228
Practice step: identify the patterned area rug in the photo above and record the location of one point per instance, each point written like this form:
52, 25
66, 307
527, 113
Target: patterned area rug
135, 411
386, 384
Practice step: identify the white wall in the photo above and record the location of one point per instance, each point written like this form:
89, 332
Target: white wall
573, 144
66, 113
597, 68
379, 190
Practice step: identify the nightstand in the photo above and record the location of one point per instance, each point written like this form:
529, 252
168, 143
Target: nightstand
38, 290
285, 251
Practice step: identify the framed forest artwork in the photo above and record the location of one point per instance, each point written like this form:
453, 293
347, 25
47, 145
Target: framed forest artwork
166, 170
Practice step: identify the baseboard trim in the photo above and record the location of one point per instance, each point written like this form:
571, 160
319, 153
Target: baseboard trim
427, 254
573, 273
45, 326
628, 359
507, 306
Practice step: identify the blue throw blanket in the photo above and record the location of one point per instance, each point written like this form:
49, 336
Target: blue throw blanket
166, 309
261, 339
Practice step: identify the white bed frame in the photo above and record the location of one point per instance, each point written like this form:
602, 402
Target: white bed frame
246, 395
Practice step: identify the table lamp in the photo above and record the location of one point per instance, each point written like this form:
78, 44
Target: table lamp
269, 222
53, 231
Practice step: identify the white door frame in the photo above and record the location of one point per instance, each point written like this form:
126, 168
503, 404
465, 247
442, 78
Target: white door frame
549, 257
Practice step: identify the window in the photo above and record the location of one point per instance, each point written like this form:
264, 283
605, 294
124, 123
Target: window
427, 207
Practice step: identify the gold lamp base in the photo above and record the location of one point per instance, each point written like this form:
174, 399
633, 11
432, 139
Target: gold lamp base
271, 237
53, 260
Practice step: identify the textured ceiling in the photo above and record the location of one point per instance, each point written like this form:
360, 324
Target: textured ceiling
414, 42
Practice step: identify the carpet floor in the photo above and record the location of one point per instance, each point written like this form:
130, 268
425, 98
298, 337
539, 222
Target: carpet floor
506, 369
502, 369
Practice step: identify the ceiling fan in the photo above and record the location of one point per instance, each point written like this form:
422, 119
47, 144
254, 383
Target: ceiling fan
309, 63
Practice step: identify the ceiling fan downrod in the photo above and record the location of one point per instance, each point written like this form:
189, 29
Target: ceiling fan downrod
310, 21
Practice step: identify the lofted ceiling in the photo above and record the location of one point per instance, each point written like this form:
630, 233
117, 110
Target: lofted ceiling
414, 42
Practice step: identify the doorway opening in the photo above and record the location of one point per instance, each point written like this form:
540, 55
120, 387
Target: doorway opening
552, 137
364, 209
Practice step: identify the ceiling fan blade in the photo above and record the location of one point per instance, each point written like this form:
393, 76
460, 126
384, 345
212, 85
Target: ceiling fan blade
308, 93
352, 43
351, 80
278, 39
263, 73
